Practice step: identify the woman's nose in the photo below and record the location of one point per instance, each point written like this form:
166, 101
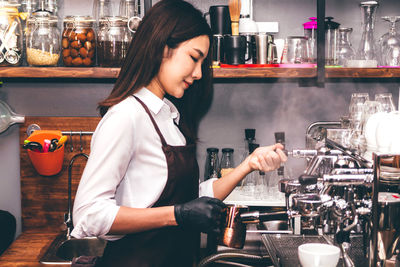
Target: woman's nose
197, 72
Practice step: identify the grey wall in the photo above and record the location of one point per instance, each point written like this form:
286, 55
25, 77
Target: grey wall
268, 105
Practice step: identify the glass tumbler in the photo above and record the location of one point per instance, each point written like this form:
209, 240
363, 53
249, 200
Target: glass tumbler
297, 50
356, 109
386, 101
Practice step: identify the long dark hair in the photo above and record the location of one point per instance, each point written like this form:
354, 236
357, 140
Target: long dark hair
168, 23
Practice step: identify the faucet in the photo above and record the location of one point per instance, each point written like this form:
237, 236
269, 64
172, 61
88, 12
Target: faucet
68, 216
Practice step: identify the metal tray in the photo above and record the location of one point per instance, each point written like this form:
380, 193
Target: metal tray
283, 248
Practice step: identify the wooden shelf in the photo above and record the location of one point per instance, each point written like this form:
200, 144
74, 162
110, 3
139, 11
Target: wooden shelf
265, 72
362, 72
221, 73
58, 72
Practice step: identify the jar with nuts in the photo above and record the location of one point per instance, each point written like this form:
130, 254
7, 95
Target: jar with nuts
79, 41
42, 40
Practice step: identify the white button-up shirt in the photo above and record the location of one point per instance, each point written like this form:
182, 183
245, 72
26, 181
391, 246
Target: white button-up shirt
127, 166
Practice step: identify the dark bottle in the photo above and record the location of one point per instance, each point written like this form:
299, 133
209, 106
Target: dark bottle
249, 139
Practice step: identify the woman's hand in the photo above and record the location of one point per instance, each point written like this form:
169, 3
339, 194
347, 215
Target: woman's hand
267, 158
203, 214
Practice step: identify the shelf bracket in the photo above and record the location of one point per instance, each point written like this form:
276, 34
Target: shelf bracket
321, 43
147, 5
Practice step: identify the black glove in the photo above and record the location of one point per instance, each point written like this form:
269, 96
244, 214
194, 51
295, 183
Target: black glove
203, 214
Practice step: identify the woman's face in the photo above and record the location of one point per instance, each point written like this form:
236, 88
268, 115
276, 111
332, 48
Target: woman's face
180, 67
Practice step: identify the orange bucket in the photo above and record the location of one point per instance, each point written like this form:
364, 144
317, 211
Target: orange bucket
49, 163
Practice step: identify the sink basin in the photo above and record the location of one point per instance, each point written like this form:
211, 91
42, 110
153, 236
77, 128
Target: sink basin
62, 250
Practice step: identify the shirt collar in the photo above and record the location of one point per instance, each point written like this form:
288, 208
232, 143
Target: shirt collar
155, 104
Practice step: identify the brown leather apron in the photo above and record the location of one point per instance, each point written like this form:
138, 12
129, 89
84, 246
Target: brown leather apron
170, 246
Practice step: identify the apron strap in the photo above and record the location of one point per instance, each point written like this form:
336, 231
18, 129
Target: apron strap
164, 143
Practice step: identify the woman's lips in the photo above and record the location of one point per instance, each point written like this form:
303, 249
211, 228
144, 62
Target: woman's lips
187, 84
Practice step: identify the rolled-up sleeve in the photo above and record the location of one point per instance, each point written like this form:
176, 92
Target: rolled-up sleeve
95, 206
206, 188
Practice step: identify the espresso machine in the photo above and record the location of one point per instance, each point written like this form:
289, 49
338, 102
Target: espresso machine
340, 199
343, 199
385, 222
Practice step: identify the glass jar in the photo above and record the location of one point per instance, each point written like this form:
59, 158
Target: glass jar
310, 31
227, 163
367, 49
79, 41
42, 40
11, 37
345, 49
331, 39
113, 41
212, 163
130, 9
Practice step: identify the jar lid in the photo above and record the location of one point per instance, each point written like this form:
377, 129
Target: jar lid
42, 17
329, 24
369, 3
250, 133
79, 20
113, 21
9, 3
212, 149
311, 24
297, 37
227, 150
345, 29
9, 10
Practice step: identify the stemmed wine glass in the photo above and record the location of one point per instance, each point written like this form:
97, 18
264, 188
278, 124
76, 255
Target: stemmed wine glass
390, 43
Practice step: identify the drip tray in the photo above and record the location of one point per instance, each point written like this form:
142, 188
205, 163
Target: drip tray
283, 248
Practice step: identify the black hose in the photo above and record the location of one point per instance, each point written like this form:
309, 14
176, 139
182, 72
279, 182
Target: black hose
230, 255
68, 218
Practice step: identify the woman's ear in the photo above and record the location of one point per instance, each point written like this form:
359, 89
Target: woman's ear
167, 52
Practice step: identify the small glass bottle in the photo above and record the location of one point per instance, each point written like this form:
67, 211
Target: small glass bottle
212, 163
227, 162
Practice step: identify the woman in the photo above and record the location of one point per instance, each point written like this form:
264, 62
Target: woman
140, 188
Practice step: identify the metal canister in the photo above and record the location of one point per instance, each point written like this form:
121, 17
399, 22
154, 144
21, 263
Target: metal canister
218, 49
234, 233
